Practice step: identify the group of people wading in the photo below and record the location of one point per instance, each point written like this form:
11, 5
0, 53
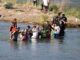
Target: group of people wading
54, 28
59, 24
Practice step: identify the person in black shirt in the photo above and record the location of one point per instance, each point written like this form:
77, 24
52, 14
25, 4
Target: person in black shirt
63, 22
56, 19
16, 33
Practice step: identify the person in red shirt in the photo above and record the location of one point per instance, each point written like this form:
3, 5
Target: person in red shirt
13, 28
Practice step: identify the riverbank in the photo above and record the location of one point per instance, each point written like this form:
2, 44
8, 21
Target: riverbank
32, 14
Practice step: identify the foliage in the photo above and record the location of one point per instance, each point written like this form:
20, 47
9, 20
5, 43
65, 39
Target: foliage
8, 5
54, 8
72, 11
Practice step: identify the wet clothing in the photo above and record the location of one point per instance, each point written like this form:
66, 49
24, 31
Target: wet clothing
15, 36
56, 31
46, 32
56, 36
35, 32
64, 20
25, 36
62, 26
56, 20
47, 27
30, 33
12, 30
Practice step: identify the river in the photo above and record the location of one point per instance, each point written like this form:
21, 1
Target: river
63, 49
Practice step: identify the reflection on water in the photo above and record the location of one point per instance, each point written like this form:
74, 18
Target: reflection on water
67, 48
14, 44
34, 44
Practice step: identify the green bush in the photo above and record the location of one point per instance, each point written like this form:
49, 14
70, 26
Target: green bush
8, 5
72, 11
53, 7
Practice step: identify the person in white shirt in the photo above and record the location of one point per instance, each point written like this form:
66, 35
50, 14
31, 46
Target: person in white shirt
56, 31
45, 2
45, 5
34, 32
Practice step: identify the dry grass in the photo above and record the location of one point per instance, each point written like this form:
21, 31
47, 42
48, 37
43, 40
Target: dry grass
28, 13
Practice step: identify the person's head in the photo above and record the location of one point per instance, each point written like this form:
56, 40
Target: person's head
18, 28
28, 27
63, 15
14, 24
34, 26
15, 20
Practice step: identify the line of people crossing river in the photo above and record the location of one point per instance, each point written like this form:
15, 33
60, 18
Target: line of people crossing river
54, 28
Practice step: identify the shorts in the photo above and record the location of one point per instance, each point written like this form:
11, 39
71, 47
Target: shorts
46, 7
35, 2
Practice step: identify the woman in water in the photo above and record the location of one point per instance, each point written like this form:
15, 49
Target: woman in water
34, 32
56, 30
13, 28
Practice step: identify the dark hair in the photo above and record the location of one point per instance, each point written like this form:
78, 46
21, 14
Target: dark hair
34, 26
18, 28
15, 19
28, 26
63, 14
59, 13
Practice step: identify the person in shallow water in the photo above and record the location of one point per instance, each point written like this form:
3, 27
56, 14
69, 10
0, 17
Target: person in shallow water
57, 18
49, 27
25, 35
46, 31
21, 35
12, 29
35, 32
15, 22
29, 31
15, 34
56, 31
63, 22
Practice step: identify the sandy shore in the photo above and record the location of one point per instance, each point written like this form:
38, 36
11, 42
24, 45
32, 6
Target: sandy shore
30, 14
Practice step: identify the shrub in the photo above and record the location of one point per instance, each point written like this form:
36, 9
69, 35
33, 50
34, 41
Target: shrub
72, 11
8, 5
53, 7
